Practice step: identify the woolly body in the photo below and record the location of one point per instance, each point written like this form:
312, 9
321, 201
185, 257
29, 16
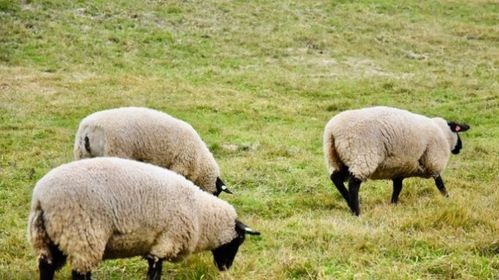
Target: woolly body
385, 143
151, 136
101, 208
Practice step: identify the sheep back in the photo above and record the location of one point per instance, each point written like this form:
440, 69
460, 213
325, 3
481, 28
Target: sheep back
150, 136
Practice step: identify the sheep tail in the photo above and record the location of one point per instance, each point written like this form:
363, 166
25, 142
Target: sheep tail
87, 145
82, 147
90, 141
40, 240
333, 160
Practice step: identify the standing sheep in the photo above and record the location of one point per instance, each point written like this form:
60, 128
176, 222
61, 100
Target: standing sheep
151, 136
106, 208
387, 143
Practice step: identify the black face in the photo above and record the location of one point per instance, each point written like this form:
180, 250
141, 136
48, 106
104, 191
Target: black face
219, 183
220, 187
225, 254
458, 127
458, 146
217, 192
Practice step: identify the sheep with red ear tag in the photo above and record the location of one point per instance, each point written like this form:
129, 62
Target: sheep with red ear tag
387, 143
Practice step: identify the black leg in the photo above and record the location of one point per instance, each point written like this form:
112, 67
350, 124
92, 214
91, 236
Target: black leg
397, 187
338, 177
440, 185
353, 190
47, 269
78, 276
155, 266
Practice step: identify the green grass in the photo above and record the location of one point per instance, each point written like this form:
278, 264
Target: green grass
259, 80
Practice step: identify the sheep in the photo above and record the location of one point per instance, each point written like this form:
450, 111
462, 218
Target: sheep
151, 136
106, 208
387, 143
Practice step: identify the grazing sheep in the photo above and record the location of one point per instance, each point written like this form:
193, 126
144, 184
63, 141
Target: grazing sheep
106, 208
387, 143
151, 136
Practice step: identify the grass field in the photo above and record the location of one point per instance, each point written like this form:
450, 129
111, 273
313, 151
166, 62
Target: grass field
258, 80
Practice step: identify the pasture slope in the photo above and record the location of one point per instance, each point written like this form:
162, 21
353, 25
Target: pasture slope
259, 80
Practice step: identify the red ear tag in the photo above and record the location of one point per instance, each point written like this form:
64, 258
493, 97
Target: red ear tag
457, 128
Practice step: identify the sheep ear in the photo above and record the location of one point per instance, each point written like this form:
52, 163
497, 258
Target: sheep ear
246, 229
458, 127
225, 189
221, 187
250, 231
